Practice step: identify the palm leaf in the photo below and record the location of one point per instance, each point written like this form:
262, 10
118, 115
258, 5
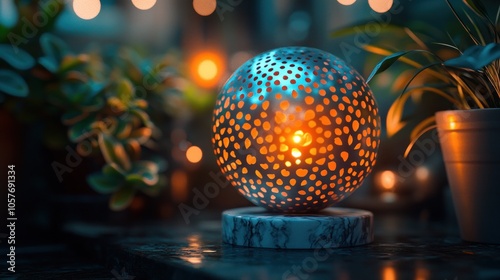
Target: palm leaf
476, 28
422, 126
387, 62
497, 17
419, 71
476, 57
464, 26
413, 63
477, 7
412, 143
355, 29
395, 113
448, 46
394, 121
415, 38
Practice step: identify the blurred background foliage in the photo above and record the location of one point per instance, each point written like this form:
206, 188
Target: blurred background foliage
125, 90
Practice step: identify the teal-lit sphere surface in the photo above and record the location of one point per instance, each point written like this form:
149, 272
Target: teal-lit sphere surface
296, 129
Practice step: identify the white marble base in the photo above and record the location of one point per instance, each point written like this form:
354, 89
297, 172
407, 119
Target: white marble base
329, 228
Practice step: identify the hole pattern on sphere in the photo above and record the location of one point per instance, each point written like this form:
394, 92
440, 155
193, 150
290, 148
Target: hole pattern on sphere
296, 130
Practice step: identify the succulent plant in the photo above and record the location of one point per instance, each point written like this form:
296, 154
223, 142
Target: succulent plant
106, 102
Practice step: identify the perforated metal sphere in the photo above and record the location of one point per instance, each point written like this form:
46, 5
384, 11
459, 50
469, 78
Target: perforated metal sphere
296, 129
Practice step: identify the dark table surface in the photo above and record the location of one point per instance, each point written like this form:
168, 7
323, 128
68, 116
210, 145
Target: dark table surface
404, 248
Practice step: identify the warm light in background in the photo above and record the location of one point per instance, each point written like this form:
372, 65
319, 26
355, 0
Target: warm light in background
422, 173
87, 9
207, 69
389, 273
194, 154
387, 180
346, 2
380, 6
422, 273
144, 4
179, 185
204, 7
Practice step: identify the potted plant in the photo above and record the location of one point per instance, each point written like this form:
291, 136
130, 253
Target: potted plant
110, 105
469, 135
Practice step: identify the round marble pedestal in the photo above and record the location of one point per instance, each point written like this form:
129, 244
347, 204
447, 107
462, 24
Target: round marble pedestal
329, 228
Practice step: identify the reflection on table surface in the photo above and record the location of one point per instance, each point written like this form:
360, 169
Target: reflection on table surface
404, 248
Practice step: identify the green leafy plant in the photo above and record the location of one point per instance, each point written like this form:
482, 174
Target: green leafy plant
469, 79
109, 104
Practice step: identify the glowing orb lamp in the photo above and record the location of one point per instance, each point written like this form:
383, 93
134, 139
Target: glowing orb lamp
296, 130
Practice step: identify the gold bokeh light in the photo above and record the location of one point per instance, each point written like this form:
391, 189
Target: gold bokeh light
346, 2
380, 6
144, 4
194, 154
207, 68
204, 7
86, 9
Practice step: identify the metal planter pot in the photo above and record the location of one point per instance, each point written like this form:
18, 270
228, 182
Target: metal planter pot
470, 141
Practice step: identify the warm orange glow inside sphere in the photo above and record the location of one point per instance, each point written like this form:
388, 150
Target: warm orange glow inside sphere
296, 129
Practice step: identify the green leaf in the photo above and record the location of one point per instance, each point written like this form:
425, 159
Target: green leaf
16, 57
54, 48
418, 72
143, 116
156, 188
143, 174
75, 90
388, 61
93, 104
48, 63
476, 57
11, 83
122, 129
103, 183
125, 90
141, 135
82, 129
462, 23
385, 63
72, 117
122, 198
114, 152
360, 27
111, 169
70, 62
